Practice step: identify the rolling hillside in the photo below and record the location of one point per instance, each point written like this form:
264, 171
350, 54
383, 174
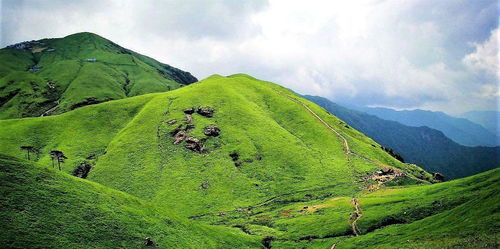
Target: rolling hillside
52, 76
424, 146
266, 141
43, 208
236, 152
460, 130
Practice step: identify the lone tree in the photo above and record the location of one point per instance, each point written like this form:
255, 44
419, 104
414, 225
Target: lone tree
28, 149
58, 156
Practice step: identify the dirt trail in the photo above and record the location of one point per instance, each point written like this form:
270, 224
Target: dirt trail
355, 217
345, 143
51, 109
347, 149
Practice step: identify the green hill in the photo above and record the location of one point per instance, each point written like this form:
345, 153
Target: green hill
43, 208
249, 155
424, 146
267, 140
52, 76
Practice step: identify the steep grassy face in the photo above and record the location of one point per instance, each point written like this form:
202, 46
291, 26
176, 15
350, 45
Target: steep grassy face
43, 208
58, 75
269, 146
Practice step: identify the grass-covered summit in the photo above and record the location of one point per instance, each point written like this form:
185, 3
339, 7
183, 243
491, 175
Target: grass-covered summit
156, 146
254, 157
52, 76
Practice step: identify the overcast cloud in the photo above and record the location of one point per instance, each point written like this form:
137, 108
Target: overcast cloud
437, 55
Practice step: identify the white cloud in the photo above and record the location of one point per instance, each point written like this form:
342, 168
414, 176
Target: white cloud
485, 55
405, 54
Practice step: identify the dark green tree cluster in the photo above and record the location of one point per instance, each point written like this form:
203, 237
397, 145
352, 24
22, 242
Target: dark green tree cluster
58, 156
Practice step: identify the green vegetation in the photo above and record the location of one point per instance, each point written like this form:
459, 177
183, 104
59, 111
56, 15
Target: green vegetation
43, 208
227, 162
65, 79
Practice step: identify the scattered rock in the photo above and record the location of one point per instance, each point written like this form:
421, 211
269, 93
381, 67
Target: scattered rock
179, 136
82, 170
195, 144
176, 130
438, 176
211, 131
149, 242
234, 156
205, 185
387, 171
188, 118
189, 127
189, 110
171, 122
192, 140
205, 111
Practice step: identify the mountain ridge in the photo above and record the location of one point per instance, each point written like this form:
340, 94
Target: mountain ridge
56, 75
460, 130
424, 146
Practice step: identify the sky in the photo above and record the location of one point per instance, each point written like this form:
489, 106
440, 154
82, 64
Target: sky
434, 55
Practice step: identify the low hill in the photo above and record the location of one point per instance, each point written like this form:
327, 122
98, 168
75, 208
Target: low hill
460, 130
424, 146
44, 208
52, 76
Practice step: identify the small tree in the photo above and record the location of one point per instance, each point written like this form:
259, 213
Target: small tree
28, 149
58, 156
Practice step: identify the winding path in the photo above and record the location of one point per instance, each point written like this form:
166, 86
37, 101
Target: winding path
347, 149
356, 215
345, 143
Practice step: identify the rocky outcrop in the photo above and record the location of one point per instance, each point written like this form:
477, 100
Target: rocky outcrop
171, 122
205, 111
149, 242
189, 110
82, 170
181, 133
211, 131
195, 144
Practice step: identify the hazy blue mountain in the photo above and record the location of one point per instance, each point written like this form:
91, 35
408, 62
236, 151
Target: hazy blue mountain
488, 119
460, 130
427, 147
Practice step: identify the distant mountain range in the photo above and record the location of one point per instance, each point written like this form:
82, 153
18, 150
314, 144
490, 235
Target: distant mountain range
460, 130
424, 146
488, 119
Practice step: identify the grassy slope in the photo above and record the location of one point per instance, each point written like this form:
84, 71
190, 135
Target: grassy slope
458, 214
43, 208
287, 157
118, 73
424, 146
279, 154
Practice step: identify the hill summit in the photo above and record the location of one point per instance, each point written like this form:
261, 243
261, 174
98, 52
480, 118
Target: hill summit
51, 76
